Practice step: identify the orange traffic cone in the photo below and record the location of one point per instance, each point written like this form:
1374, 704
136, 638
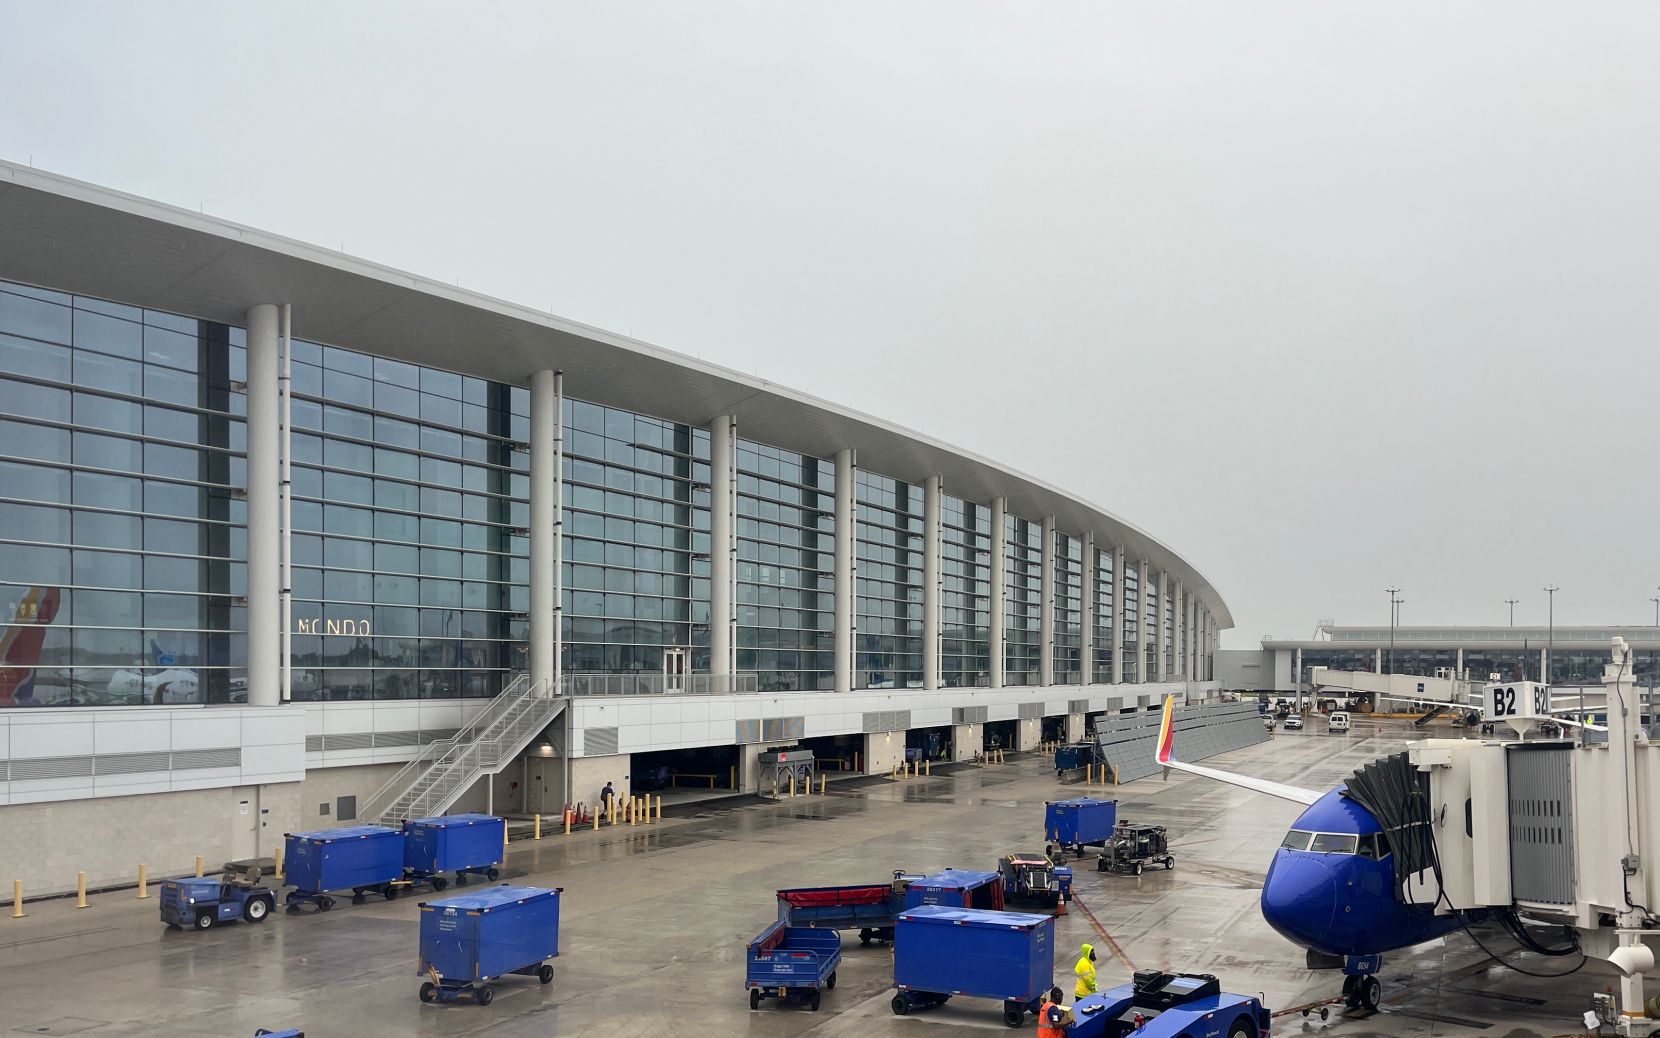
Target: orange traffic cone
1060, 904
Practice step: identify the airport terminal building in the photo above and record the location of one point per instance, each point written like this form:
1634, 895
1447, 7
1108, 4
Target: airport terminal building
274, 519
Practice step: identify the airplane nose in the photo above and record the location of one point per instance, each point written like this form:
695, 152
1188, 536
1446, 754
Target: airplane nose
1299, 899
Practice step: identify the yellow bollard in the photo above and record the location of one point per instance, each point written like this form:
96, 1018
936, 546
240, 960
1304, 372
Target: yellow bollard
17, 899
279, 861
80, 890
775, 787
538, 832
659, 807
1114, 773
792, 785
143, 881
568, 822
856, 761
823, 784
732, 777
504, 835
596, 821
198, 866
927, 767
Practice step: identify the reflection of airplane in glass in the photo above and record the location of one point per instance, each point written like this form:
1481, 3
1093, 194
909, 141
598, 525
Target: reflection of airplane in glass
20, 645
168, 686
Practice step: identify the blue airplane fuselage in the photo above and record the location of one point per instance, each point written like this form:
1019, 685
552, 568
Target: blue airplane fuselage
1341, 903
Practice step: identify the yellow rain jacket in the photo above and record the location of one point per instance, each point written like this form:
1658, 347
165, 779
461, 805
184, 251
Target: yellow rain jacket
1085, 972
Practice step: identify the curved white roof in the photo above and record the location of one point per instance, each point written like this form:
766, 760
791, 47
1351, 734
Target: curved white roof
77, 237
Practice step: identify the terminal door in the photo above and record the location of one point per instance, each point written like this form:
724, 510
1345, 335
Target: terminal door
675, 665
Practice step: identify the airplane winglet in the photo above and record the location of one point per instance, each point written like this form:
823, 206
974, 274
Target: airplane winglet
1166, 757
1167, 732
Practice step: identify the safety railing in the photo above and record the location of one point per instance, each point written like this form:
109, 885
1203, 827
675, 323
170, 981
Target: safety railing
513, 717
651, 683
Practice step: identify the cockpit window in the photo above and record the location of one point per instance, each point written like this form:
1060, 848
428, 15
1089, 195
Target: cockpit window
1297, 840
1334, 843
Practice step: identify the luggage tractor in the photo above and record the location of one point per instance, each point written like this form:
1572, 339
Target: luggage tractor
1031, 878
204, 902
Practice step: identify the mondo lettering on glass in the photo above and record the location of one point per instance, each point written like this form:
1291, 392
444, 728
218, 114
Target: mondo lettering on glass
359, 628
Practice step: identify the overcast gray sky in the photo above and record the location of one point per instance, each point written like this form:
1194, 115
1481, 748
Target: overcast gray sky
1324, 296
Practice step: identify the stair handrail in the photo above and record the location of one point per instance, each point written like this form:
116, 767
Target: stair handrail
446, 785
378, 801
463, 750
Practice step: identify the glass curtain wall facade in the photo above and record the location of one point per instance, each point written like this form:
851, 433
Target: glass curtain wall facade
1069, 609
1101, 666
636, 573
1130, 609
407, 492
1150, 626
1170, 631
786, 568
1023, 584
121, 514
965, 593
889, 544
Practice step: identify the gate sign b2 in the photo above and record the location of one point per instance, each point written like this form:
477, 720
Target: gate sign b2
1519, 699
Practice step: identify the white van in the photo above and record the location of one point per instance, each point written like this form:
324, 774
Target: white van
1337, 722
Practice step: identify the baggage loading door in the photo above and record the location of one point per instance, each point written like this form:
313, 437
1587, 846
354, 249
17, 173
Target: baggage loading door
675, 663
1541, 824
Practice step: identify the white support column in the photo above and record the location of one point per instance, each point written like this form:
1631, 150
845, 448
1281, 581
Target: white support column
1297, 676
846, 573
931, 583
1046, 618
999, 588
1377, 661
264, 510
1087, 674
1458, 664
1118, 616
544, 519
723, 545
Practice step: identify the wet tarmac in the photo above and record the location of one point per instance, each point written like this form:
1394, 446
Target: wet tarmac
655, 920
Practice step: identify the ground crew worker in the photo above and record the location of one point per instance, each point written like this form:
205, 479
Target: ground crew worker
1085, 972
1050, 1015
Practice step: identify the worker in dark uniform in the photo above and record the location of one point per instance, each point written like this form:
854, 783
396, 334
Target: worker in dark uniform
606, 795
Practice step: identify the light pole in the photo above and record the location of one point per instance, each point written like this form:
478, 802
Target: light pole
1511, 602
1550, 631
1656, 602
1394, 604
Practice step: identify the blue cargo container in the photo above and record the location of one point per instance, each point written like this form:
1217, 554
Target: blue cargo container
939, 952
467, 844
956, 888
470, 939
361, 858
1079, 823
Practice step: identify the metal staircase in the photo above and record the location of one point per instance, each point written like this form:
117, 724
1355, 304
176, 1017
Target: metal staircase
443, 770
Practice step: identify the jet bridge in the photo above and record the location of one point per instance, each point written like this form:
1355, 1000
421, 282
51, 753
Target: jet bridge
1563, 829
1415, 688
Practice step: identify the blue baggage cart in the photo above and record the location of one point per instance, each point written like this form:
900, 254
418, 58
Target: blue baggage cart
465, 844
1080, 822
940, 952
791, 963
956, 888
361, 858
469, 940
869, 908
